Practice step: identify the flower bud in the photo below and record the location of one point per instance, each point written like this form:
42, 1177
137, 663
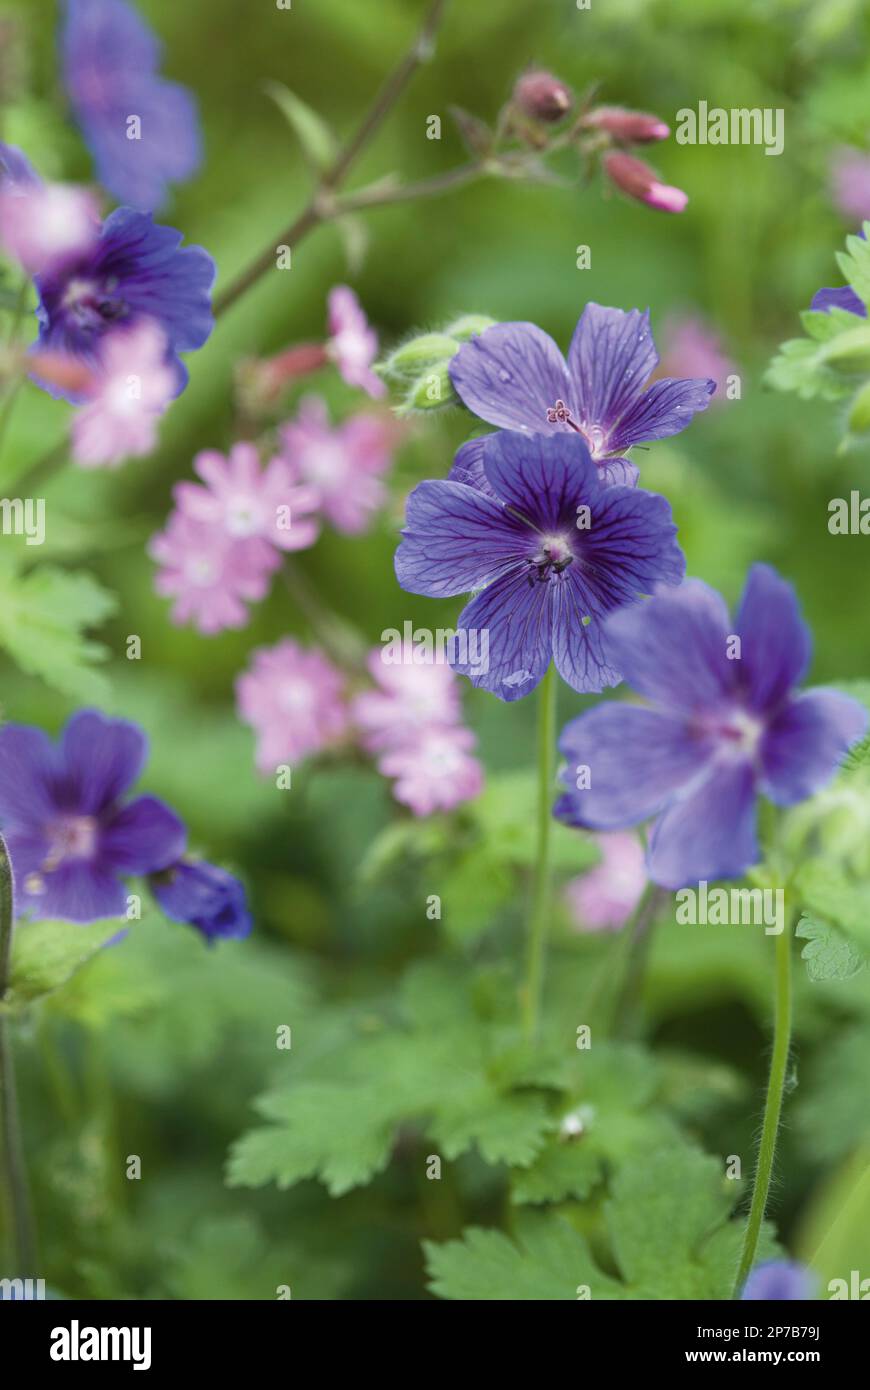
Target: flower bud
542, 96
639, 181
468, 325
411, 357
433, 388
633, 127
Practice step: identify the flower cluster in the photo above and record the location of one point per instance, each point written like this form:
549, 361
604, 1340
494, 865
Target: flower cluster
294, 700
411, 723
73, 838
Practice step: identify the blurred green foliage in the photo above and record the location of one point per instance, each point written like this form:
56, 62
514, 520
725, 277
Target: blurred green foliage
159, 1047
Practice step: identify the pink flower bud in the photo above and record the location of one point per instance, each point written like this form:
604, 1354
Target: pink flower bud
639, 181
634, 127
542, 96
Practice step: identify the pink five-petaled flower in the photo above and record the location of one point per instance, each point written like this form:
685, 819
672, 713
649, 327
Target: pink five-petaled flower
353, 343
343, 464
435, 770
410, 697
294, 701
604, 899
127, 394
249, 503
209, 575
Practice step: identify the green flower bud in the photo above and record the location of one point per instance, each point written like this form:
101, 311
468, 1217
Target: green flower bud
431, 390
430, 349
464, 328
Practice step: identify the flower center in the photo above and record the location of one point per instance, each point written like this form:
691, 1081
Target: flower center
93, 305
739, 734
244, 516
595, 436
554, 554
71, 837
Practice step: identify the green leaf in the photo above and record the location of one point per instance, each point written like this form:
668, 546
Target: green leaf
442, 1068
855, 264
43, 618
829, 956
670, 1236
832, 895
319, 145
548, 1261
799, 368
45, 955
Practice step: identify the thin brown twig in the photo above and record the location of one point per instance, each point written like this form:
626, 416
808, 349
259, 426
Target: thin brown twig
321, 208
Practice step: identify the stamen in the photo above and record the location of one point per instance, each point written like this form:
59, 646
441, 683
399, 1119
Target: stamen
559, 414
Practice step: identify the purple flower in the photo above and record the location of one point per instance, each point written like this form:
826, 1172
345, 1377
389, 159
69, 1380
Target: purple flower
203, 896
553, 549
135, 270
70, 838
778, 1281
142, 131
723, 725
844, 297
514, 376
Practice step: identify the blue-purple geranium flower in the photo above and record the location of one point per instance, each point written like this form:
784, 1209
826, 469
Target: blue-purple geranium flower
514, 376
136, 270
203, 896
553, 550
142, 131
778, 1281
71, 835
724, 723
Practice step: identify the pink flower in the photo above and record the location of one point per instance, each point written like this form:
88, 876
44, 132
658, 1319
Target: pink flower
210, 576
353, 343
293, 699
410, 698
250, 503
692, 348
342, 465
434, 772
45, 225
127, 395
605, 897
850, 183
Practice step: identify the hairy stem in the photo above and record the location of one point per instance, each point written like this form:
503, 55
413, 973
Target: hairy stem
321, 208
539, 912
19, 1221
772, 1107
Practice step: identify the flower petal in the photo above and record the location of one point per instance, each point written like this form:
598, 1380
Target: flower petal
578, 647
611, 356
102, 758
636, 760
673, 649
454, 539
807, 741
511, 375
79, 890
515, 613
143, 838
842, 298
665, 409
709, 832
468, 466
630, 547
618, 472
775, 641
29, 769
542, 476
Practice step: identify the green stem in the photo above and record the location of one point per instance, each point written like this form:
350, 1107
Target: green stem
772, 1107
540, 901
20, 1221
626, 1008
